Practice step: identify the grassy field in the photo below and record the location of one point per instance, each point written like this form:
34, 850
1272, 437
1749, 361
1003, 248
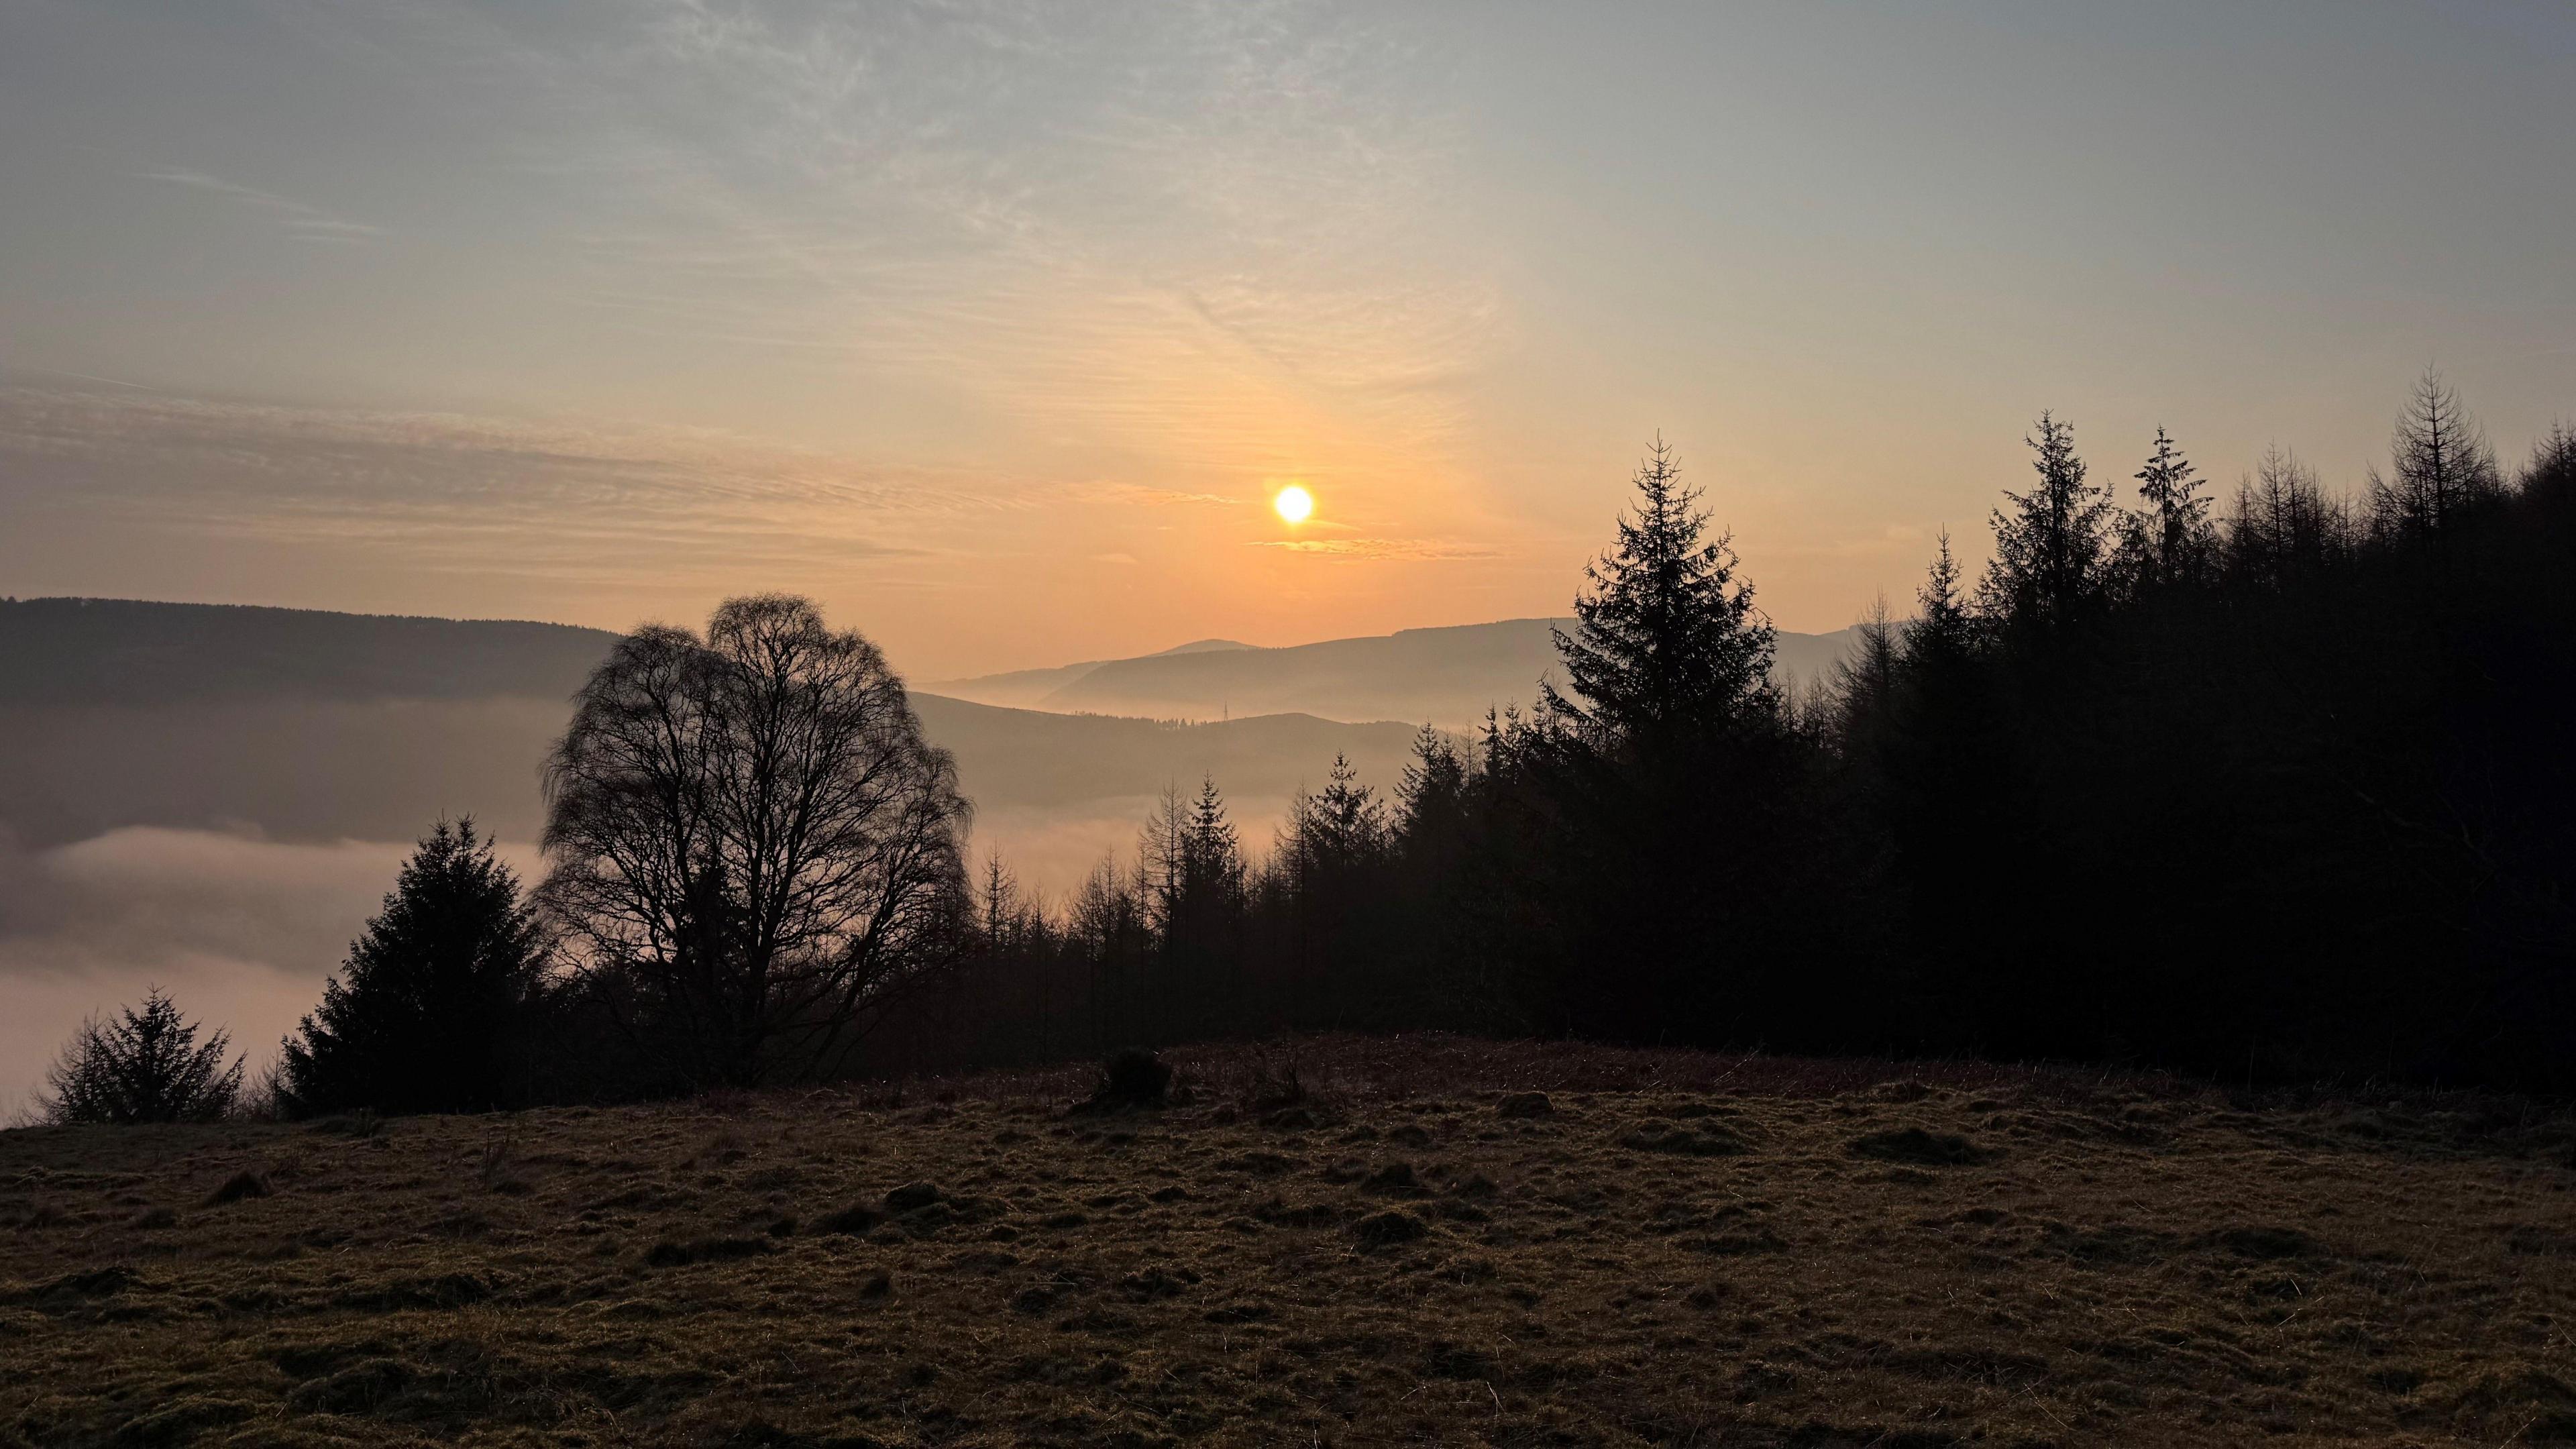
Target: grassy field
1401, 1245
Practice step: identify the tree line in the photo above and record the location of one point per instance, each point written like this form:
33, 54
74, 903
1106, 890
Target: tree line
2274, 785
2270, 783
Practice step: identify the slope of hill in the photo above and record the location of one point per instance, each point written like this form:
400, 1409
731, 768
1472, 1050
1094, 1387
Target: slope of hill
1445, 676
1027, 688
131, 652
1665, 1249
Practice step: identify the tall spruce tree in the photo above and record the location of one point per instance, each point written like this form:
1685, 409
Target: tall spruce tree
2052, 544
1211, 851
1666, 640
428, 1014
2171, 540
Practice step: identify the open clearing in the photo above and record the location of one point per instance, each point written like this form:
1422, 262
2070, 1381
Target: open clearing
1669, 1249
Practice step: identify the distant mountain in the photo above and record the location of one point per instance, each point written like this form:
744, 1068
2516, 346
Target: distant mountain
304, 725
1444, 676
1026, 688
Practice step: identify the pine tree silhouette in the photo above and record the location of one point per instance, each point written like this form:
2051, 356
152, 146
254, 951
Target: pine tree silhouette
142, 1066
1666, 639
426, 1014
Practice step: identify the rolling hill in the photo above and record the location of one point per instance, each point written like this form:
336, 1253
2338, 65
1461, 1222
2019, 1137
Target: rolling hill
1445, 676
307, 725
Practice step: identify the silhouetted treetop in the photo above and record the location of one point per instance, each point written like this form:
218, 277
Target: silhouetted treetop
1942, 626
142, 1066
2171, 540
2052, 544
427, 1013
753, 845
1666, 639
2440, 465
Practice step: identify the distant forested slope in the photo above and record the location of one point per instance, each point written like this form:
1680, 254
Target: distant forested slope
131, 652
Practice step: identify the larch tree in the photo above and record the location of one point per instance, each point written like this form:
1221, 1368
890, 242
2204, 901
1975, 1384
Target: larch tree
2440, 465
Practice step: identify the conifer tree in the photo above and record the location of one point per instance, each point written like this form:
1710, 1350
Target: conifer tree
1212, 853
428, 1012
141, 1066
2551, 473
1666, 639
998, 903
2440, 465
2169, 541
2052, 547
1864, 681
1942, 628
1339, 830
1432, 793
2283, 526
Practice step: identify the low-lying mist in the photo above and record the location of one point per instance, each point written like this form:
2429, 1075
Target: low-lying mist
242, 929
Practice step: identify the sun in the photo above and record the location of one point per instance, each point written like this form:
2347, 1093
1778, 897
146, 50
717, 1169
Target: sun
1295, 504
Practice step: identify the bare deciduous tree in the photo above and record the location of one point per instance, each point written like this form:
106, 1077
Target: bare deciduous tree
754, 849
2440, 465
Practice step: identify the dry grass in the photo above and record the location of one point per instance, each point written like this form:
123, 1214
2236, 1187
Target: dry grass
1357, 1242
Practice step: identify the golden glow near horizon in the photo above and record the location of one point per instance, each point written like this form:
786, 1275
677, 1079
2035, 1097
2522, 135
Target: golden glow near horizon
1294, 504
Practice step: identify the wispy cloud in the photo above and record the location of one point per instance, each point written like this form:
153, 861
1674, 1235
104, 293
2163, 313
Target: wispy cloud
1198, 232
302, 222
1140, 495
441, 491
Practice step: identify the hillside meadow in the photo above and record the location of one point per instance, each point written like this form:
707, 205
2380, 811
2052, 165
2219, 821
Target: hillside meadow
1415, 1241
